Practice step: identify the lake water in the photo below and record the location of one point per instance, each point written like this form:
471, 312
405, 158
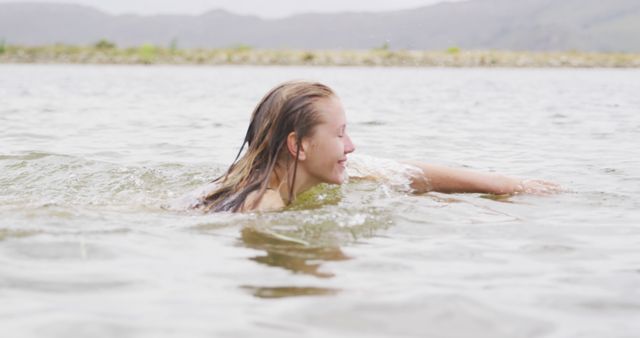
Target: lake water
90, 154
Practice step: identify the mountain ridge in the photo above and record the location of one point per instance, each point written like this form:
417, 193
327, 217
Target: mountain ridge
534, 25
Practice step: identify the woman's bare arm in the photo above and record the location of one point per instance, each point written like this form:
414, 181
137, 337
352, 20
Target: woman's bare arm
453, 180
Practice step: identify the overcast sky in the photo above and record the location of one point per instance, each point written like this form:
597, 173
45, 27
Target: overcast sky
263, 8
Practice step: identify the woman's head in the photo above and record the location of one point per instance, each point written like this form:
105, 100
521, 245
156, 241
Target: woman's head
324, 152
297, 128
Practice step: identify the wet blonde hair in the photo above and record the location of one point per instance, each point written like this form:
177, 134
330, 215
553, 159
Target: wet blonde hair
287, 108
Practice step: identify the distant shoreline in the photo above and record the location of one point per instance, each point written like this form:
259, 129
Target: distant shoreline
106, 53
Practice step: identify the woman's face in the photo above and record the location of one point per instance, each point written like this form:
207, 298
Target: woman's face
326, 150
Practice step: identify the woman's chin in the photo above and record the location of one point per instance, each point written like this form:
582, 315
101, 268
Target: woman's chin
338, 179
341, 177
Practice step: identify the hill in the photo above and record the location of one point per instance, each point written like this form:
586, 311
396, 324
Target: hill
533, 25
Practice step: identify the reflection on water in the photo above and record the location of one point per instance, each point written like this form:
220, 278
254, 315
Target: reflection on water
293, 255
311, 232
8, 233
498, 198
289, 291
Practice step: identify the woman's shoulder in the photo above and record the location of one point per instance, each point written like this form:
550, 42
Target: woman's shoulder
270, 201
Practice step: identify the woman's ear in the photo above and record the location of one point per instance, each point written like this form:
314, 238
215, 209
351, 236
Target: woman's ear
292, 146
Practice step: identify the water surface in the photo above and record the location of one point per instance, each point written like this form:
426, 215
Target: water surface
89, 154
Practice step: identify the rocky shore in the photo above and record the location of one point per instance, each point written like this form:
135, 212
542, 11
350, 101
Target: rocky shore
106, 53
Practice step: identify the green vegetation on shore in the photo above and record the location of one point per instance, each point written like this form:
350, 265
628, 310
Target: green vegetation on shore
105, 52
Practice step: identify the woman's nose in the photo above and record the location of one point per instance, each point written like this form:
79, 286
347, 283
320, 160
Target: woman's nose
349, 147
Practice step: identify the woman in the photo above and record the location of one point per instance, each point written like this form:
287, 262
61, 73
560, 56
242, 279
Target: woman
297, 139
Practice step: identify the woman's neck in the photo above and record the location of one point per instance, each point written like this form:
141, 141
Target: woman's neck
282, 176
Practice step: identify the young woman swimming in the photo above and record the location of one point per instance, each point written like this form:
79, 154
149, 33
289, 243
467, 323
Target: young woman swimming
297, 138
